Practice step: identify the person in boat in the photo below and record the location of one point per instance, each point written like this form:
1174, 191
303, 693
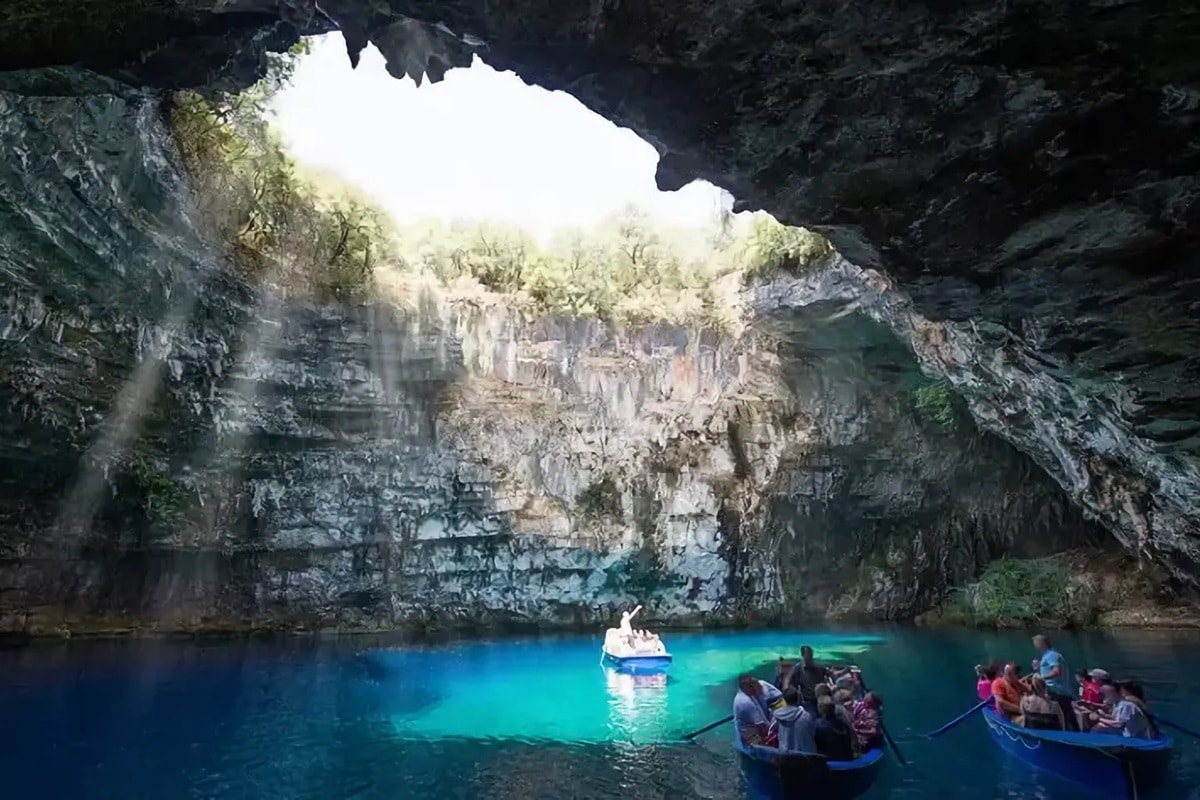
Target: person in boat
1052, 667
1090, 682
752, 708
626, 626
1090, 697
807, 674
1007, 690
1127, 717
1038, 710
867, 721
794, 726
833, 738
848, 681
984, 676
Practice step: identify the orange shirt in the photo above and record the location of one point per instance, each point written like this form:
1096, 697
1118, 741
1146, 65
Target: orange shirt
1003, 690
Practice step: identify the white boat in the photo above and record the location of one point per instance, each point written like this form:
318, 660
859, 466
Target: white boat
617, 652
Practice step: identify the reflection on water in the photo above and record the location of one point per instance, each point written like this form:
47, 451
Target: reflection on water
632, 696
487, 720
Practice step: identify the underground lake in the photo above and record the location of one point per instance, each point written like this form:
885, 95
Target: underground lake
534, 717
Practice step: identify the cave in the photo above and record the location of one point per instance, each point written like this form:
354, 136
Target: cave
998, 362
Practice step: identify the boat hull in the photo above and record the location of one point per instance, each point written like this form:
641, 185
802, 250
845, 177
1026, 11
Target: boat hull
638, 664
1107, 765
770, 774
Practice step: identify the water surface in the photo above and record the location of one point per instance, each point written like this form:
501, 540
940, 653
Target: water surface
521, 718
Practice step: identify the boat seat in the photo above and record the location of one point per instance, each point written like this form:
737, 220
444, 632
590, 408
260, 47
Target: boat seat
1042, 722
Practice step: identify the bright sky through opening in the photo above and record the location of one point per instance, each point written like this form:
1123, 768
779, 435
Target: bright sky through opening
481, 144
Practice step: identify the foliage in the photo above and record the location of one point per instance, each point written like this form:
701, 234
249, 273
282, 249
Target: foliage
600, 499
280, 228
935, 402
300, 231
770, 246
1013, 591
627, 269
163, 500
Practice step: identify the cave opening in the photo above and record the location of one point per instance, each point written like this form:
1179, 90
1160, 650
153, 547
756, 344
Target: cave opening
408, 338
340, 354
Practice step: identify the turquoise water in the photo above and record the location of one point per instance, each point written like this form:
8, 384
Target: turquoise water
521, 719
556, 689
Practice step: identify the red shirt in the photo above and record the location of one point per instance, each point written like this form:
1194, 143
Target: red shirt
1091, 692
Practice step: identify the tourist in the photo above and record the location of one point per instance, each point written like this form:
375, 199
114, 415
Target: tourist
807, 674
832, 736
843, 700
1090, 696
1133, 692
626, 626
984, 677
793, 725
1007, 690
847, 681
1127, 717
868, 720
1052, 667
1038, 710
752, 708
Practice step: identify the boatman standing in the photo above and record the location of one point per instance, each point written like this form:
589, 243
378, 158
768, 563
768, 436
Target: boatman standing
1053, 669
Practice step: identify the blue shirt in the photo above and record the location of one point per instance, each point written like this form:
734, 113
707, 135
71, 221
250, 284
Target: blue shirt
1060, 685
1133, 721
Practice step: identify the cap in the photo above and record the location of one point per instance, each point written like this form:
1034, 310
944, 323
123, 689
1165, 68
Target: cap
1098, 674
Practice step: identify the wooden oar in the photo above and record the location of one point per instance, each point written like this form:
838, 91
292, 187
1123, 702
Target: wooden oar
1175, 725
707, 728
887, 737
960, 718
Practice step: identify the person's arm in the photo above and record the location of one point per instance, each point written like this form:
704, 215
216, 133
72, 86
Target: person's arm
633, 613
1004, 705
793, 676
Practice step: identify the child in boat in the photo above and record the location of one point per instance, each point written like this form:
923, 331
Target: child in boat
984, 676
867, 713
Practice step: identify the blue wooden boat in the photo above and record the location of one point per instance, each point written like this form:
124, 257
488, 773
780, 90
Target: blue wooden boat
638, 664
1107, 765
771, 774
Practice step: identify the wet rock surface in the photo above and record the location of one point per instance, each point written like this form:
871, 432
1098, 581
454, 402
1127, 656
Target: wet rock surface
185, 453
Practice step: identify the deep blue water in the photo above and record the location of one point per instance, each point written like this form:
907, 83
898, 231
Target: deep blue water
512, 719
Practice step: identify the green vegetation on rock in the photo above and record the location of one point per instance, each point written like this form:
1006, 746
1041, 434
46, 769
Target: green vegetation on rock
163, 499
310, 235
1014, 592
279, 227
626, 269
935, 403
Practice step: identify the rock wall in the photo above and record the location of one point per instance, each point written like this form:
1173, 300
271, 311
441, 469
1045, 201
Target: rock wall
1024, 174
183, 452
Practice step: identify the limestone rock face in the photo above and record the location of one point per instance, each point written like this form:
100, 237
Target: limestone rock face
1024, 174
182, 451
